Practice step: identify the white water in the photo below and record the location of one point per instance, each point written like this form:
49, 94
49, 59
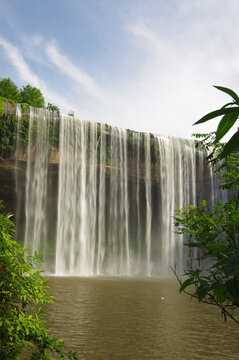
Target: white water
102, 202
36, 181
114, 199
148, 203
117, 228
74, 217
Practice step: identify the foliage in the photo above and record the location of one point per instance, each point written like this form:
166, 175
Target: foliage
2, 101
9, 90
214, 149
22, 290
32, 96
10, 130
213, 233
213, 241
53, 108
27, 96
54, 129
24, 106
8, 134
230, 112
71, 113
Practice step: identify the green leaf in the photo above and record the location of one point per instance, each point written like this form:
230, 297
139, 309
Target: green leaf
232, 145
229, 92
220, 290
202, 291
225, 125
232, 265
186, 283
217, 113
228, 104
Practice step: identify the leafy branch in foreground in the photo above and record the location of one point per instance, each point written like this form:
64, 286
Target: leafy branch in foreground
22, 289
213, 242
230, 114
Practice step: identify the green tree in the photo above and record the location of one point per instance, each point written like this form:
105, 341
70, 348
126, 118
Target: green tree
53, 108
9, 90
213, 242
230, 114
22, 289
212, 234
32, 96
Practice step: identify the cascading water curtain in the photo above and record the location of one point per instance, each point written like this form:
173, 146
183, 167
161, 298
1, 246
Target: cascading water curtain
177, 174
109, 220
36, 181
105, 204
72, 248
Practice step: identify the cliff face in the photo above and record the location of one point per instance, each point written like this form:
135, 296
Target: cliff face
7, 184
13, 177
21, 131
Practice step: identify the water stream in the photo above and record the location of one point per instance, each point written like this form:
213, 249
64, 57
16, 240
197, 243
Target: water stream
99, 200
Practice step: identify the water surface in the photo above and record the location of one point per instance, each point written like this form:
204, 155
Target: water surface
137, 319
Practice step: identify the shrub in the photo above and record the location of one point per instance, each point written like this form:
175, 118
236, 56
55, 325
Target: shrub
22, 290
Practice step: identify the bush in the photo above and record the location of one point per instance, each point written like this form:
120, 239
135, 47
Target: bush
213, 241
213, 233
22, 290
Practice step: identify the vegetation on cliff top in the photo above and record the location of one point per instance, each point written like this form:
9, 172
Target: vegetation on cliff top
29, 95
10, 129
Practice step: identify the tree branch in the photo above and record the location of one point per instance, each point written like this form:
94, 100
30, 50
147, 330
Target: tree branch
225, 312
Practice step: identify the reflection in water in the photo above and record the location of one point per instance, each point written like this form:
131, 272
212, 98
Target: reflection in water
137, 319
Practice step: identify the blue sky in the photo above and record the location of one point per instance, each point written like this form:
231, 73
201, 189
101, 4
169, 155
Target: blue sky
147, 65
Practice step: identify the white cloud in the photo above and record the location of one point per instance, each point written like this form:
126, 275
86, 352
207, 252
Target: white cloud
74, 72
19, 63
181, 73
141, 30
27, 75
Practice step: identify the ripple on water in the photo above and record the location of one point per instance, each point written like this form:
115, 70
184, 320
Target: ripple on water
127, 319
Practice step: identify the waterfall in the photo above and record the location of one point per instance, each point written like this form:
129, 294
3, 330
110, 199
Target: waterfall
137, 141
99, 200
36, 225
75, 199
102, 202
148, 202
118, 253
